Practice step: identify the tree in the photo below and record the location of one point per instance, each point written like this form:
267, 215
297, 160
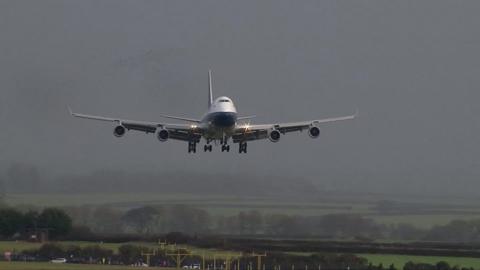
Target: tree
442, 266
254, 221
30, 219
456, 230
282, 225
11, 221
403, 231
142, 220
348, 225
56, 220
183, 218
249, 222
106, 220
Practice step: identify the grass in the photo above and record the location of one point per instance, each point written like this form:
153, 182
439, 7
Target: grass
19, 246
385, 259
400, 260
51, 266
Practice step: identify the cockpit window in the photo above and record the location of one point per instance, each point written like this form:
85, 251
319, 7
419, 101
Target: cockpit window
224, 100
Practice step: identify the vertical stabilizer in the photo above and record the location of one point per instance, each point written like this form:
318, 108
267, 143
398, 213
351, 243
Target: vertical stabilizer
210, 93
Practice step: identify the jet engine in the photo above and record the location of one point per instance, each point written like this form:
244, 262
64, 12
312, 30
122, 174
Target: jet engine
119, 131
314, 132
162, 135
274, 135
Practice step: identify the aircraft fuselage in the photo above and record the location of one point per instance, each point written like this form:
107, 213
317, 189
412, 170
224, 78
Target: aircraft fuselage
220, 120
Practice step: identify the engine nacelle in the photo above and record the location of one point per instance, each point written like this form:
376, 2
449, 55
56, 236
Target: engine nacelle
314, 132
119, 131
274, 135
163, 135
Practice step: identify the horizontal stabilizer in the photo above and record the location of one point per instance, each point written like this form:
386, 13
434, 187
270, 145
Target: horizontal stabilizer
180, 118
246, 117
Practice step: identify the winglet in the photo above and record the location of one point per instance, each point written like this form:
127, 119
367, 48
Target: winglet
70, 110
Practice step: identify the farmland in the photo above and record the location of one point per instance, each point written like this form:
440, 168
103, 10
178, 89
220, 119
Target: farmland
400, 260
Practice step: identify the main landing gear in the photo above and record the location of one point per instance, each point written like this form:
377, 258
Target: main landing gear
207, 148
192, 147
242, 147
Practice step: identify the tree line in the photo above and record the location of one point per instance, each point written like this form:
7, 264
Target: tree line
13, 222
155, 220
149, 220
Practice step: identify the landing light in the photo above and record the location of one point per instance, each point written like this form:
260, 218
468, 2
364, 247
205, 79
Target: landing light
193, 126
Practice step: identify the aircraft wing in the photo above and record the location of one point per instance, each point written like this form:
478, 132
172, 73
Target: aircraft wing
182, 132
259, 132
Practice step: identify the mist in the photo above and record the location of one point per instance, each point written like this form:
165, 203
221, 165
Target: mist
411, 68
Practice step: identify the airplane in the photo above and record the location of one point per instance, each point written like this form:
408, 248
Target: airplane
221, 124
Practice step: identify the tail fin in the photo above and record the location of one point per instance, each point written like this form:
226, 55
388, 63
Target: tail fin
210, 93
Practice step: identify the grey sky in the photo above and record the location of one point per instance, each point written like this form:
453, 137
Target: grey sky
412, 68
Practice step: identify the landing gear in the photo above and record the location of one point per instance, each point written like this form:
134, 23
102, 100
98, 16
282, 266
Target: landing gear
224, 142
192, 147
242, 147
225, 147
207, 148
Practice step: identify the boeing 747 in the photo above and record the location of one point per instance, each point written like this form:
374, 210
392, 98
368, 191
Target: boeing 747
220, 125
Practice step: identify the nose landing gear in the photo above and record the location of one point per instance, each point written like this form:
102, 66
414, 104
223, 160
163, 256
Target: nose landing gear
225, 147
207, 148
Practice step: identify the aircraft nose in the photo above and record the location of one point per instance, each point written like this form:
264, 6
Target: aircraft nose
224, 119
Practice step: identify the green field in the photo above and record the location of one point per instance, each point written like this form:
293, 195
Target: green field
51, 266
19, 246
400, 260
385, 259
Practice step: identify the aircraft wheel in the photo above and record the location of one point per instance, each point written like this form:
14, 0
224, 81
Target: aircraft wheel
242, 148
192, 147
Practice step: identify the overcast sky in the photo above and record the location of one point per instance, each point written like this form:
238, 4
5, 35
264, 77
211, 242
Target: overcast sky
412, 68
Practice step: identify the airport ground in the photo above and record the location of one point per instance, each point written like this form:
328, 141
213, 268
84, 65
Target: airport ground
376, 259
421, 212
51, 266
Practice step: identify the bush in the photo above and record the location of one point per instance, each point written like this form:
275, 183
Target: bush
51, 251
129, 254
